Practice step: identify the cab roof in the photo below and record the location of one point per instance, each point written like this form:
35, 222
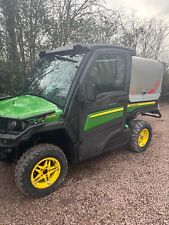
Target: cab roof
82, 48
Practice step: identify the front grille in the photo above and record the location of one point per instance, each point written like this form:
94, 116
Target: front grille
3, 124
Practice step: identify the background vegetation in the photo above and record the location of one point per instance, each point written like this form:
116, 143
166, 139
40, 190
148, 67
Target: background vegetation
30, 26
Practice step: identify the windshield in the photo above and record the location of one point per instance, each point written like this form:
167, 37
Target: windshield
51, 78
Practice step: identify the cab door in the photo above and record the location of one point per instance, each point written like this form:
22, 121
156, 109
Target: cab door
104, 87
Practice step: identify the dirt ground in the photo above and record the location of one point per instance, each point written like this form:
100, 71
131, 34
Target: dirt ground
118, 188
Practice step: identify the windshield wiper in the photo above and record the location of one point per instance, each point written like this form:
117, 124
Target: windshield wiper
65, 59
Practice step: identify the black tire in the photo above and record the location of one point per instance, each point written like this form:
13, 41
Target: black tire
28, 161
137, 127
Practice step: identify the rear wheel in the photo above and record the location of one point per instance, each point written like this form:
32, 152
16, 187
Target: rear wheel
141, 135
41, 170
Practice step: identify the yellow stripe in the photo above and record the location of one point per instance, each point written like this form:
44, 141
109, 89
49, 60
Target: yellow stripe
121, 109
107, 112
141, 104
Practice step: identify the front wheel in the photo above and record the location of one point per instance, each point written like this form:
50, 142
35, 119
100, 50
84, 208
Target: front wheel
141, 135
41, 170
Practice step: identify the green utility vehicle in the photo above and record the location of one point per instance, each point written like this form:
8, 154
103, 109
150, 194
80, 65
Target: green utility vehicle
80, 101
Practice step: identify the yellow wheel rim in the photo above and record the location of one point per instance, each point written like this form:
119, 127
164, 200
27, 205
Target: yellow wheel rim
143, 137
45, 173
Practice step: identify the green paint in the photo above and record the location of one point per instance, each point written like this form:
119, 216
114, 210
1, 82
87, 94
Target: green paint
93, 122
25, 106
102, 119
52, 118
134, 107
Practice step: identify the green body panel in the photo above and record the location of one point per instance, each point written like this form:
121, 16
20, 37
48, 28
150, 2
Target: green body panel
53, 117
25, 106
102, 117
135, 106
99, 118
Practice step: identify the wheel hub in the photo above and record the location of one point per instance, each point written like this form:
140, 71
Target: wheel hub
143, 137
45, 173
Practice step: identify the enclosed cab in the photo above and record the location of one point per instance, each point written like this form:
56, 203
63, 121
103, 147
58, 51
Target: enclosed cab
79, 102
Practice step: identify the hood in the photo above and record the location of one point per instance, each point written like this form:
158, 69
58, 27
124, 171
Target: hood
26, 106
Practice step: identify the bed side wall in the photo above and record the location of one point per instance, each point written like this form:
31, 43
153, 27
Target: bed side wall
146, 79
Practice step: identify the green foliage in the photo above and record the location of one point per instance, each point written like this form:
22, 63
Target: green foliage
30, 26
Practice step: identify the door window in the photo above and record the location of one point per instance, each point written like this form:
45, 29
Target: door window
108, 73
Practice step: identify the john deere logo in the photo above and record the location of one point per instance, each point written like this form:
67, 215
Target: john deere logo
50, 116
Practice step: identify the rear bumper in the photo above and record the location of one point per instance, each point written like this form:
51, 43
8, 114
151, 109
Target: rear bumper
155, 113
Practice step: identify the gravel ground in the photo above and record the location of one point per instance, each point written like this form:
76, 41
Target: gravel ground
117, 188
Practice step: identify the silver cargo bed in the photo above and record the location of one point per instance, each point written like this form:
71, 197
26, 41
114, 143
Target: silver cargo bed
146, 79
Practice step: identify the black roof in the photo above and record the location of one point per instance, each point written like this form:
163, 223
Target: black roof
81, 48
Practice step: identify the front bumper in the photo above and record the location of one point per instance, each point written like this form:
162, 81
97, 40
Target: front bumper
5, 154
12, 140
9, 143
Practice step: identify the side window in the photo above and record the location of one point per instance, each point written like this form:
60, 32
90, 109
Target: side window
108, 73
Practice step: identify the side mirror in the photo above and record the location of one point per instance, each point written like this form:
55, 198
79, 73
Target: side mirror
91, 92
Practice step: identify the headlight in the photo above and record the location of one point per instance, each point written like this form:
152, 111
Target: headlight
16, 125
12, 125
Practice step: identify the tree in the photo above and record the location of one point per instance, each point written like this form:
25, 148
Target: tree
146, 37
30, 26
100, 28
9, 11
8, 8
66, 17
